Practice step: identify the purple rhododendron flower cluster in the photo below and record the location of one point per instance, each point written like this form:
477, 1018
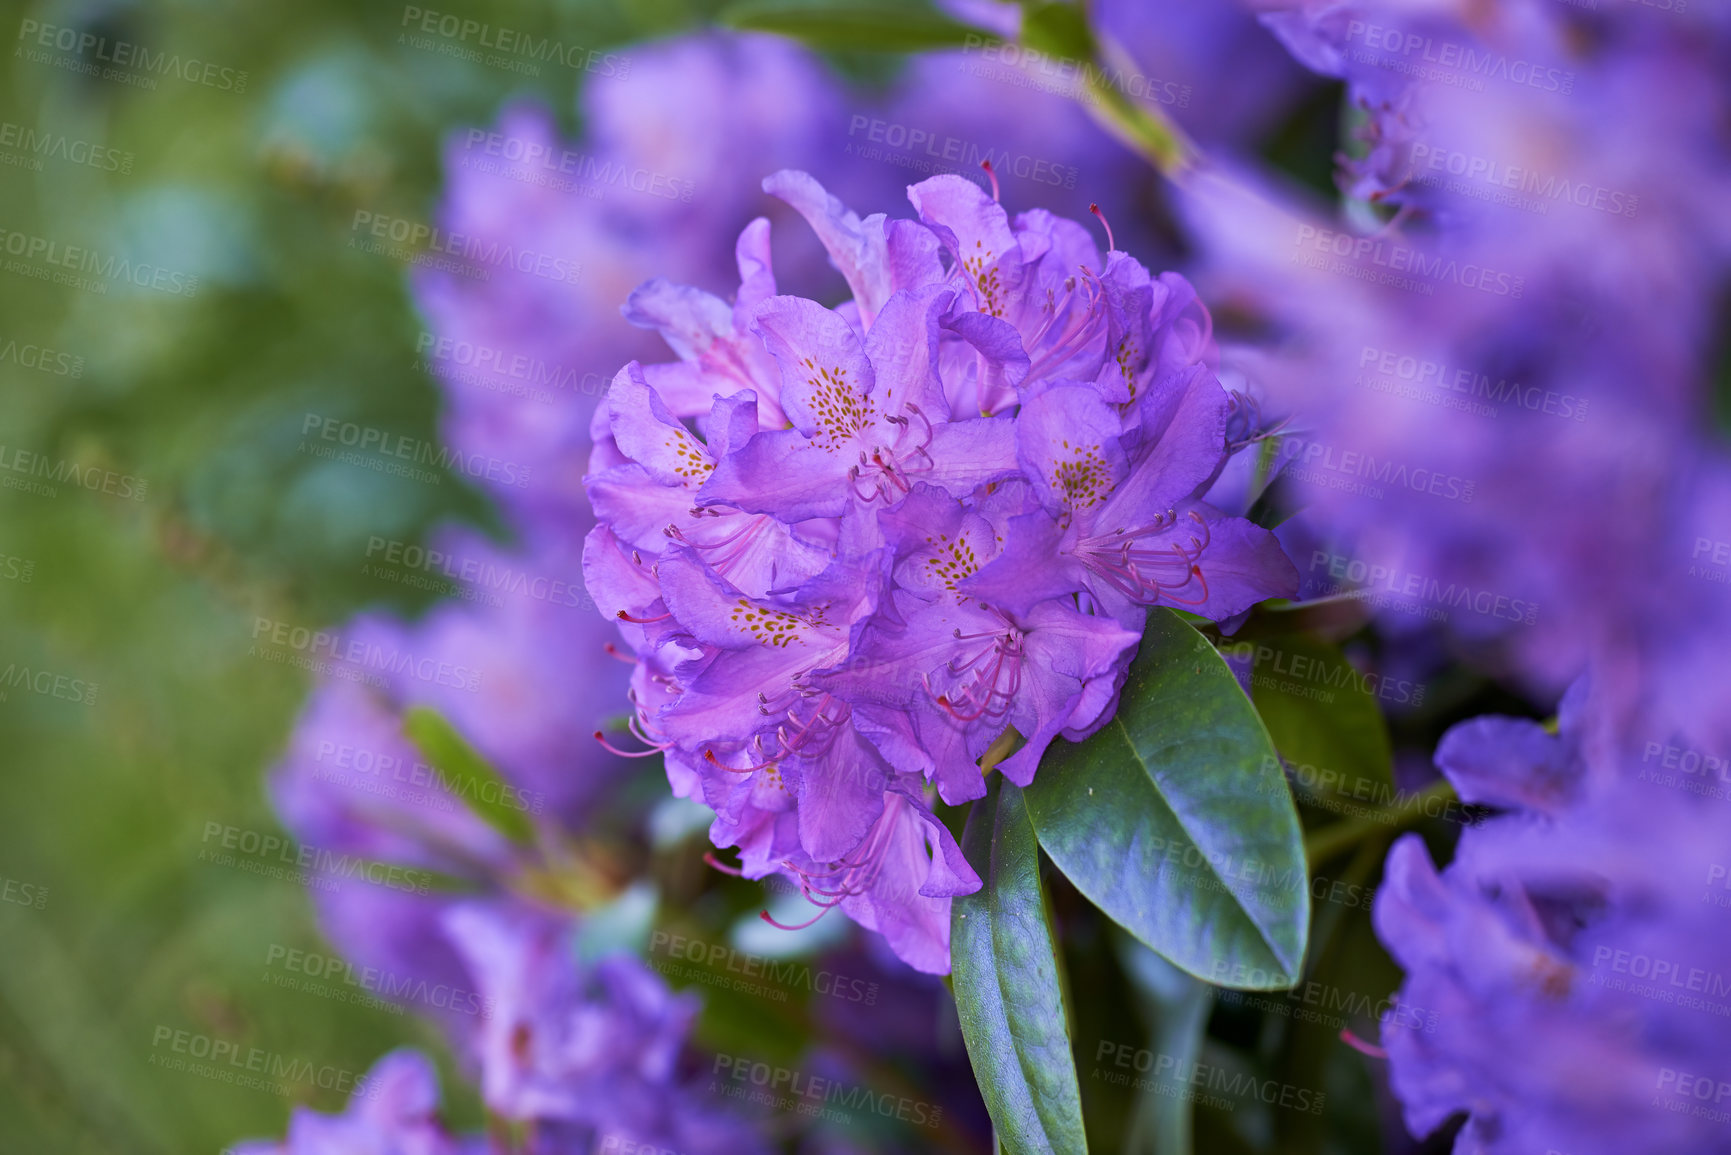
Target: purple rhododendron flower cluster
1571, 957
853, 547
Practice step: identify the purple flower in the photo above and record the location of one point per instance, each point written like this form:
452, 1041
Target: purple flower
591, 1052
852, 548
1041, 665
1564, 980
1494, 354
393, 1111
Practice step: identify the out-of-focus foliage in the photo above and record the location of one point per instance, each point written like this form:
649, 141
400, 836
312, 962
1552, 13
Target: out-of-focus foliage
151, 607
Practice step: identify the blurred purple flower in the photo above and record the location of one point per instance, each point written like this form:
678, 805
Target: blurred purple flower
1570, 959
393, 1111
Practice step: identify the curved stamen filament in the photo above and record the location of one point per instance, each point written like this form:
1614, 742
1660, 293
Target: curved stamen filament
1360, 1045
1110, 243
992, 690
1083, 329
612, 749
1147, 573
709, 857
853, 875
709, 757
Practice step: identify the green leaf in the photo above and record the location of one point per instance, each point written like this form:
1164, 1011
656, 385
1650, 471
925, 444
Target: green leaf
1325, 716
1279, 501
1005, 975
468, 775
1176, 821
1058, 29
852, 25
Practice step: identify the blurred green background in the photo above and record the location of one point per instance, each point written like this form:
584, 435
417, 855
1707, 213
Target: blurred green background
154, 720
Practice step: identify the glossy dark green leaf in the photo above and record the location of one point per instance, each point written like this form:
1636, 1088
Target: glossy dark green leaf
468, 775
1005, 975
852, 25
1176, 821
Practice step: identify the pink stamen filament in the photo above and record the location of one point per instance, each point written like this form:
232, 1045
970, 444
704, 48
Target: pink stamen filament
1124, 565
993, 173
709, 857
985, 696
1079, 333
1110, 243
1359, 1045
612, 749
